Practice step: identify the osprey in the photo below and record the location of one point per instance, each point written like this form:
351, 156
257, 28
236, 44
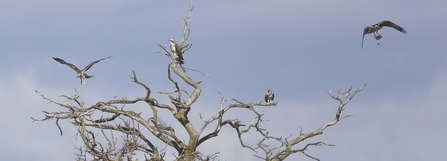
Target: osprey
177, 51
80, 73
238, 123
376, 27
269, 96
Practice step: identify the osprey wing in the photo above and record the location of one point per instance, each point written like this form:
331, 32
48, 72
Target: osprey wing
393, 25
367, 30
93, 63
180, 54
67, 64
266, 97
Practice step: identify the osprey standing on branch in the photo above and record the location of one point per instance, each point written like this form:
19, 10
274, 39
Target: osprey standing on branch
376, 27
80, 73
269, 96
176, 51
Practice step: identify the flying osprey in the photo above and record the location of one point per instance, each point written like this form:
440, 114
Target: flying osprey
376, 27
80, 73
269, 96
177, 51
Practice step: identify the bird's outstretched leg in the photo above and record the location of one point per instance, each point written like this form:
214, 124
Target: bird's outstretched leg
82, 81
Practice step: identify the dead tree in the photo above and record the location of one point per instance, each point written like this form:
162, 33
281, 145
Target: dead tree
288, 145
99, 124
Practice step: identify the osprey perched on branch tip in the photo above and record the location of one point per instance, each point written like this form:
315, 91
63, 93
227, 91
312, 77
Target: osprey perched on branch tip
80, 73
376, 27
269, 96
176, 51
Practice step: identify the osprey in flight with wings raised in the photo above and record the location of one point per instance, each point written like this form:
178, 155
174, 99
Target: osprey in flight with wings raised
80, 73
376, 27
177, 51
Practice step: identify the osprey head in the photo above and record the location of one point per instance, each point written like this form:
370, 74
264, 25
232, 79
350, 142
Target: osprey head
171, 40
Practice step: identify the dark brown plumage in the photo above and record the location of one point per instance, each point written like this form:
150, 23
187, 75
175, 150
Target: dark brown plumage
376, 27
269, 96
177, 51
80, 73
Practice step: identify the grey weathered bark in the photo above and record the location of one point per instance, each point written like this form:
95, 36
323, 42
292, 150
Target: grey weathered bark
98, 134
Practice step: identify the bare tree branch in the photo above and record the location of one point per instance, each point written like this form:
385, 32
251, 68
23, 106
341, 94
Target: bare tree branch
99, 125
343, 99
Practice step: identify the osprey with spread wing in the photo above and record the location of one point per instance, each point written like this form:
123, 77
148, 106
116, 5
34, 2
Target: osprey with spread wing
376, 27
80, 73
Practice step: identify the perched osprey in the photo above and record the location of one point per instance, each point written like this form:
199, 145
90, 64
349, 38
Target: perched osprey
238, 123
269, 96
80, 73
376, 27
177, 51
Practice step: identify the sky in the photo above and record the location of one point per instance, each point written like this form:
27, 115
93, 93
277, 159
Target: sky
299, 49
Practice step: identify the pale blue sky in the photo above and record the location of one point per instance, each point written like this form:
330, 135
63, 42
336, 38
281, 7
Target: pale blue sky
299, 49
